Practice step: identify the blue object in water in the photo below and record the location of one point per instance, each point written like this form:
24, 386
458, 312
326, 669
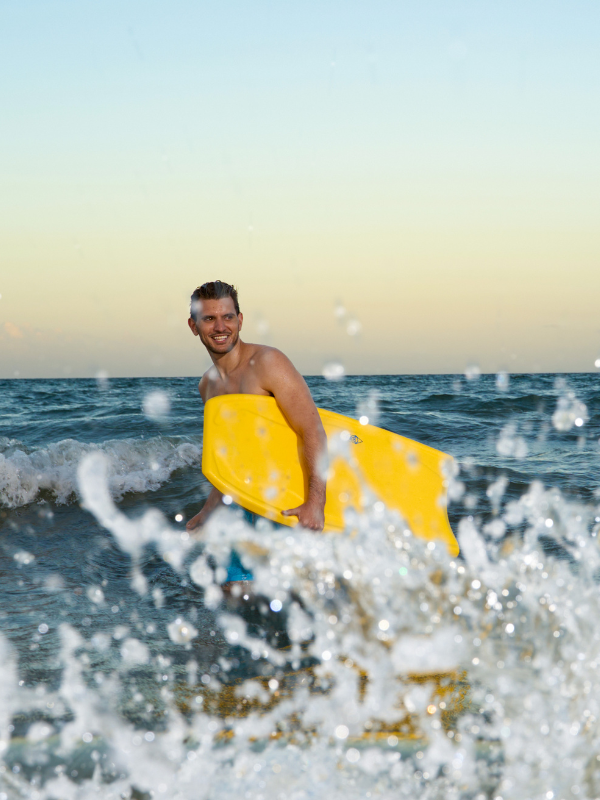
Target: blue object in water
235, 569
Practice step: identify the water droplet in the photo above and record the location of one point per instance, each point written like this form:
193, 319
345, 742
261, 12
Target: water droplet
569, 411
368, 408
156, 405
353, 328
502, 381
333, 371
339, 311
263, 327
102, 379
509, 444
180, 631
95, 594
24, 558
135, 652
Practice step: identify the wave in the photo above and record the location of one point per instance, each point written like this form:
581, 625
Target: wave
486, 405
135, 465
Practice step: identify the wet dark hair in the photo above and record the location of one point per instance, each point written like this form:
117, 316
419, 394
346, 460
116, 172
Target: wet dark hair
213, 290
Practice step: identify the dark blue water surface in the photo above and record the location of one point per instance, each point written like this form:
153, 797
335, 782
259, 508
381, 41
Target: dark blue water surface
461, 417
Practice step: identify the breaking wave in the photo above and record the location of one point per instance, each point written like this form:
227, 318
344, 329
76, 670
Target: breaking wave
135, 465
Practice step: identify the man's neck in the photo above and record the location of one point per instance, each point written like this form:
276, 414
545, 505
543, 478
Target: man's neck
226, 363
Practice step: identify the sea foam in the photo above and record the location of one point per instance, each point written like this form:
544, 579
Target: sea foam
134, 465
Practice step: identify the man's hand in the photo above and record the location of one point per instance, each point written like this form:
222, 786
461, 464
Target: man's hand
310, 515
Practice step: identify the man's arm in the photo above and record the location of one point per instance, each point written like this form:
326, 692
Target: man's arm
215, 496
280, 377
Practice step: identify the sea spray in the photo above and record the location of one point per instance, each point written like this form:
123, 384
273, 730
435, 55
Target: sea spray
404, 673
517, 625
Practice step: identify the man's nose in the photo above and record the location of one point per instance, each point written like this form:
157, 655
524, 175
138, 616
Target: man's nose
220, 325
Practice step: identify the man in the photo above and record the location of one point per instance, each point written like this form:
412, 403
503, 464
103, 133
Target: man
243, 368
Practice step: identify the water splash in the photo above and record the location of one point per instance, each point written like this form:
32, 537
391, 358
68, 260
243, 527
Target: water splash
570, 411
374, 664
510, 444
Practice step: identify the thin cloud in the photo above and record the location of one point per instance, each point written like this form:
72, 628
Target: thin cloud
13, 331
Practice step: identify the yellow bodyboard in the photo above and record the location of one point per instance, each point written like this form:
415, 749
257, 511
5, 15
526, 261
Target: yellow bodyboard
252, 454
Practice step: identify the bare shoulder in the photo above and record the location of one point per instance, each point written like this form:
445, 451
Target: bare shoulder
208, 383
276, 373
270, 357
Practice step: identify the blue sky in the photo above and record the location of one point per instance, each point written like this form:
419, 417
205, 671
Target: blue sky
447, 152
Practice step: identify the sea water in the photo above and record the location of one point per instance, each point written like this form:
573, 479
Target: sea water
364, 665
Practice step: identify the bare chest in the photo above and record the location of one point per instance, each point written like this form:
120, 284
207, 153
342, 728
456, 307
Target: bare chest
247, 382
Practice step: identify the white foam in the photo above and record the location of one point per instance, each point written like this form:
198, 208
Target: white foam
134, 465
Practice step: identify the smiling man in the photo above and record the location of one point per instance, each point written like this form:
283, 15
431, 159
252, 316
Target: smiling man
244, 368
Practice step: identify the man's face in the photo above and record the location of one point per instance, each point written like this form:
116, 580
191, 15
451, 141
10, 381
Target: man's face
217, 325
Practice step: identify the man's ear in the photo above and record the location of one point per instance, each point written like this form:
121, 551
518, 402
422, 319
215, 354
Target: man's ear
241, 319
193, 328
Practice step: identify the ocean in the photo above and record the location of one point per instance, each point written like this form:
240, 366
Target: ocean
366, 664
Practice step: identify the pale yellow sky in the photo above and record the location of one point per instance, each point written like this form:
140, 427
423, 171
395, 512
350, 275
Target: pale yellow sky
437, 178
502, 299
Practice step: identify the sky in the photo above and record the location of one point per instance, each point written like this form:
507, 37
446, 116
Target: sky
397, 187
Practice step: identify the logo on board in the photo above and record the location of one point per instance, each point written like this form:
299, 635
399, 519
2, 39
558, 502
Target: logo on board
355, 440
